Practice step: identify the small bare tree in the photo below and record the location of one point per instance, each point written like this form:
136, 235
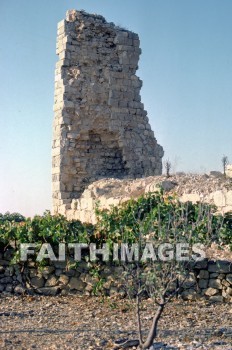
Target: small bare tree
153, 228
167, 165
162, 279
225, 161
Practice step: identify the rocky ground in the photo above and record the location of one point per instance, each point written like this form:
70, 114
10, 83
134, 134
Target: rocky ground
73, 322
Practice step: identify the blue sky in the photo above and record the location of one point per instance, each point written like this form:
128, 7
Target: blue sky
186, 68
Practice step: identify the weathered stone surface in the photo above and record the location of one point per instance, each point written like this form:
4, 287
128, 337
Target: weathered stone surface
229, 170
198, 265
229, 198
225, 283
76, 283
9, 288
89, 279
19, 278
211, 291
220, 267
63, 279
19, 289
204, 274
229, 291
65, 290
190, 197
37, 282
229, 278
59, 264
6, 280
100, 129
203, 283
215, 283
51, 282
71, 273
58, 272
48, 270
219, 199
48, 290
214, 275
9, 271
34, 273
216, 299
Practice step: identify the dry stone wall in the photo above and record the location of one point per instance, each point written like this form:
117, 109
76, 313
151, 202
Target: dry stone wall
100, 126
209, 279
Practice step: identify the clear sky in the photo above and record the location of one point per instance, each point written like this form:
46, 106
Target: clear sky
186, 68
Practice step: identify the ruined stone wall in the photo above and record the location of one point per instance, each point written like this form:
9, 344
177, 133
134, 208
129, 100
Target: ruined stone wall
101, 129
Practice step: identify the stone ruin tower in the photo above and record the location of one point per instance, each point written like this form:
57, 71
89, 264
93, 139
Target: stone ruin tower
100, 129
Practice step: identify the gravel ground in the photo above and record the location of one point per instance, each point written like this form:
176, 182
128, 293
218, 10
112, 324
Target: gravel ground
75, 322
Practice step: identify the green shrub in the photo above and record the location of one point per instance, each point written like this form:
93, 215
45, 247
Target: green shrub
162, 216
16, 217
45, 229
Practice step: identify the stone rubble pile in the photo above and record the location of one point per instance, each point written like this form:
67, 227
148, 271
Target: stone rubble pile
216, 190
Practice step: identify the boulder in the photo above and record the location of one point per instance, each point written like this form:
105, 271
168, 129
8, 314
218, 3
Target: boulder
48, 291
216, 299
19, 289
76, 283
203, 283
47, 270
204, 274
63, 279
220, 266
211, 291
37, 282
51, 282
217, 284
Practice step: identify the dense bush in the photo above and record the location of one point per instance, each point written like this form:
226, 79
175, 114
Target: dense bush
16, 217
226, 231
45, 229
163, 216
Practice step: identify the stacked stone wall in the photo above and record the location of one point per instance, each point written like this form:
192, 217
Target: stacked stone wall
210, 280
